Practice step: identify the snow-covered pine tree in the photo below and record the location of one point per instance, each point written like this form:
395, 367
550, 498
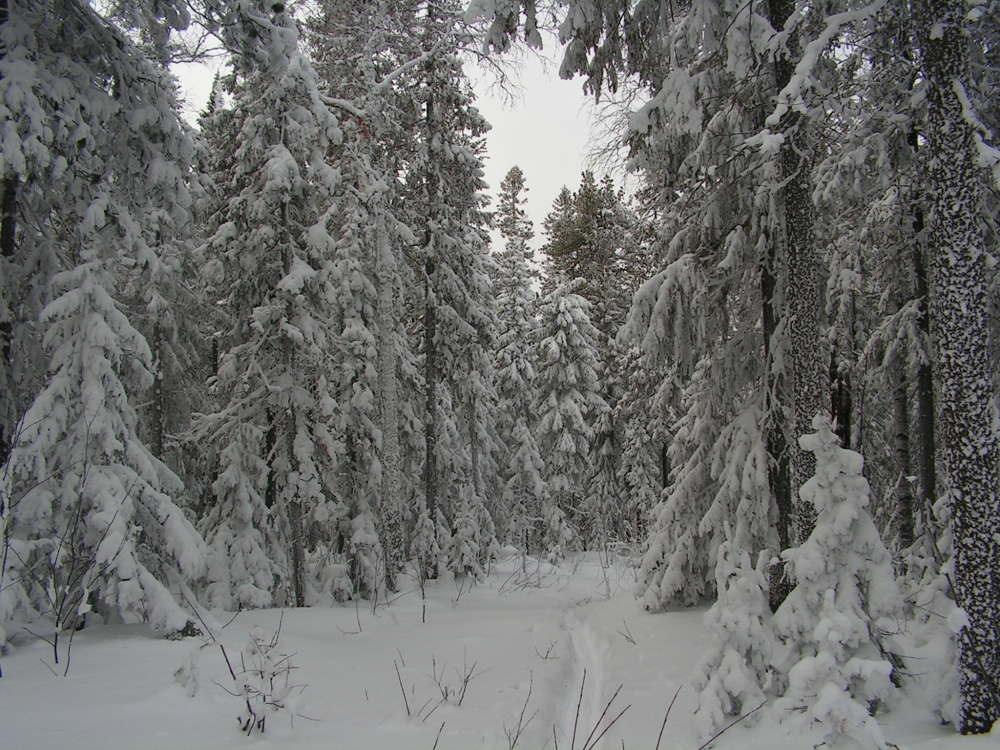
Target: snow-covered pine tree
836, 667
514, 364
272, 258
569, 399
594, 237
96, 149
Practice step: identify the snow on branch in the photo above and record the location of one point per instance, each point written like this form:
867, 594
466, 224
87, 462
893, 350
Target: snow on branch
791, 96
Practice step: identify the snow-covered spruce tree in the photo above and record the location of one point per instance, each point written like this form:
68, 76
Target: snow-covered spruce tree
514, 364
458, 322
94, 150
845, 582
246, 560
967, 427
366, 57
641, 425
714, 303
271, 261
604, 497
569, 398
732, 674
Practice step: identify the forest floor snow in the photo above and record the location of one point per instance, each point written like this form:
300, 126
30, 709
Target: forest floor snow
527, 627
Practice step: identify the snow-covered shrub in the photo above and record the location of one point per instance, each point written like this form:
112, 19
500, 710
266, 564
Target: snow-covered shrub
732, 674
264, 682
844, 583
366, 554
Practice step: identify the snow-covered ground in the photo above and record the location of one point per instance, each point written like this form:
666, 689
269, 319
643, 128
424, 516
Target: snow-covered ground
526, 627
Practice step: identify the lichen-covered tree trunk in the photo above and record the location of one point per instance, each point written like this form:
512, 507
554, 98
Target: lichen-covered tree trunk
964, 394
925, 381
904, 498
809, 381
779, 469
390, 508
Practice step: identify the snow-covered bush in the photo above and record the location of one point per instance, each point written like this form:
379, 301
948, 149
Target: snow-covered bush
733, 673
264, 682
844, 582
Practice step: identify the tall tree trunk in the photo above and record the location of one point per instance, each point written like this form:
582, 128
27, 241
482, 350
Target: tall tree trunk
289, 463
925, 380
779, 476
295, 520
901, 453
157, 438
8, 236
431, 381
390, 507
430, 312
809, 382
958, 303
841, 401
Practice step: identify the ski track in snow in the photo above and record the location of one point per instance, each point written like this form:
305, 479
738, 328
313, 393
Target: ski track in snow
589, 652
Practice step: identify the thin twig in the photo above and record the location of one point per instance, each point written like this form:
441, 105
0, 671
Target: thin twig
48, 666
611, 724
440, 729
731, 725
586, 742
401, 688
434, 709
627, 635
576, 719
666, 715
513, 737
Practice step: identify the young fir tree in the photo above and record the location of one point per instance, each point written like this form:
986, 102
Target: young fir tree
569, 399
89, 521
733, 672
271, 259
642, 426
845, 582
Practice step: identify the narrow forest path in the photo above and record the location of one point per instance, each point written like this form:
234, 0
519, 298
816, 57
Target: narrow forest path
583, 700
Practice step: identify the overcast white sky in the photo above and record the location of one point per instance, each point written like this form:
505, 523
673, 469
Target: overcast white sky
544, 130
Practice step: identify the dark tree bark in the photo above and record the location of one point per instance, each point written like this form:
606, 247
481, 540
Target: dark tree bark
809, 381
294, 509
841, 400
958, 302
901, 453
779, 469
925, 380
8, 235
